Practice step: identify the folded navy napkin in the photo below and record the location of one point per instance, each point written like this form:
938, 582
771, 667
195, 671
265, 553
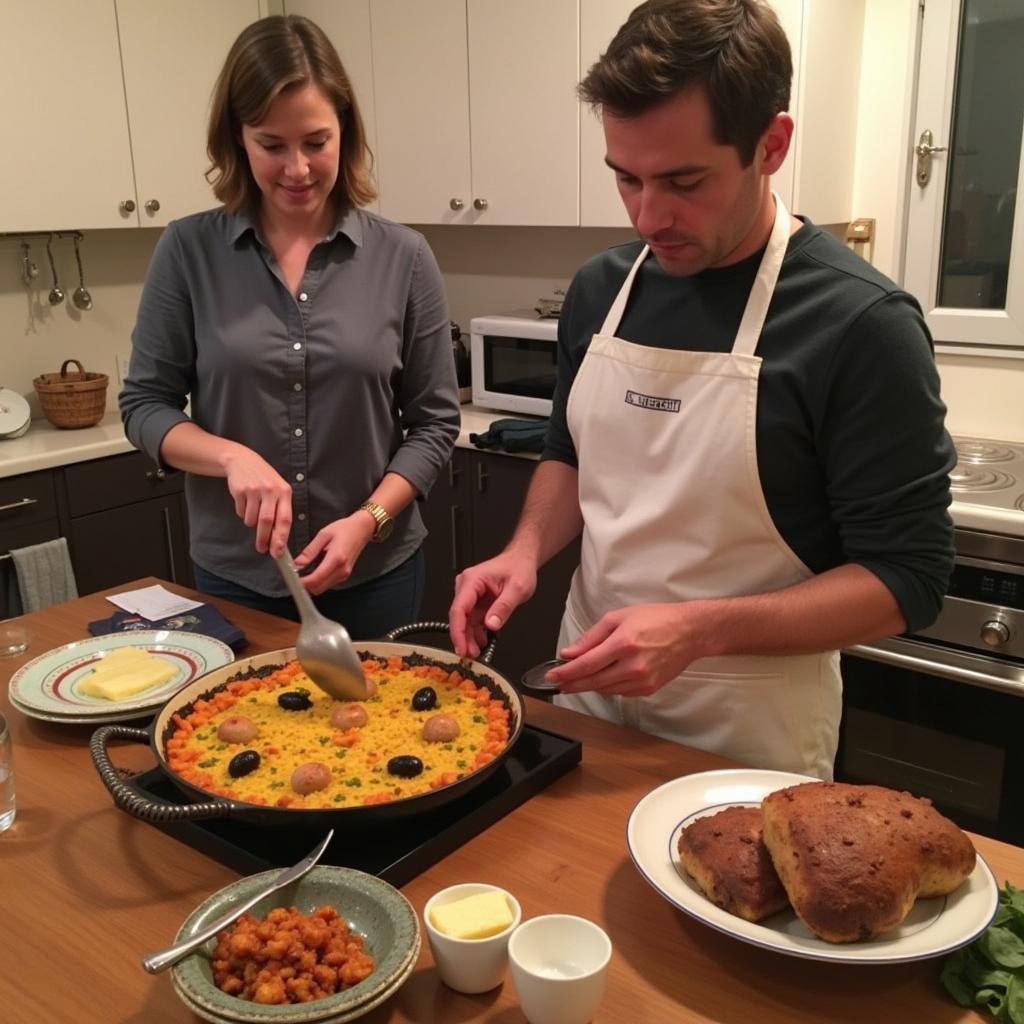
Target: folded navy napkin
512, 435
205, 620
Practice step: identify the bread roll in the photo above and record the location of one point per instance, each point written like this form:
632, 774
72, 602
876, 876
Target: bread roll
726, 857
853, 859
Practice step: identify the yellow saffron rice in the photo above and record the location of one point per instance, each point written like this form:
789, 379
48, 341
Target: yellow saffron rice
357, 758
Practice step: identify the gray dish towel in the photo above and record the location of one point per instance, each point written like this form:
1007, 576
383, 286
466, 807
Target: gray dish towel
45, 575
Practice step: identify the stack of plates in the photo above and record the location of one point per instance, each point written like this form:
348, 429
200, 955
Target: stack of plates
15, 415
372, 907
47, 687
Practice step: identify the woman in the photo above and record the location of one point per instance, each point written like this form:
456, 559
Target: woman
310, 338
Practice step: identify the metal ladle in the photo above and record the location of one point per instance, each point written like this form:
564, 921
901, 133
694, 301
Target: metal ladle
80, 297
56, 295
324, 648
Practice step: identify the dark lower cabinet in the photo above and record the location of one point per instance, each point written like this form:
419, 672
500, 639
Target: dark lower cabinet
471, 513
148, 538
123, 518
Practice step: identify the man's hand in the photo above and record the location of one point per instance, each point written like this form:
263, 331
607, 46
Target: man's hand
340, 544
485, 597
631, 652
263, 499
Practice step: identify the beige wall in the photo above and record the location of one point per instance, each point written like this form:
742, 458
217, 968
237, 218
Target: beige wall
36, 337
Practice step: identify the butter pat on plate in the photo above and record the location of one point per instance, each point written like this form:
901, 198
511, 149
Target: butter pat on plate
125, 672
473, 917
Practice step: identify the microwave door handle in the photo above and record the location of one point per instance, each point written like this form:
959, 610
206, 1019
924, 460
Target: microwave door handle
943, 663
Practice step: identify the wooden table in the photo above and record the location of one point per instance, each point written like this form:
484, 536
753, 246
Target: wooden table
86, 890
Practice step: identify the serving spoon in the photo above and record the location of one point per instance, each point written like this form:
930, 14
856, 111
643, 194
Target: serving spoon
324, 648
157, 962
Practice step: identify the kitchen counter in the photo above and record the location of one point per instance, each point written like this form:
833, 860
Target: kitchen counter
87, 889
44, 446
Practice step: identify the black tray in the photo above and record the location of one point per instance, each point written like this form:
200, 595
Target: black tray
396, 851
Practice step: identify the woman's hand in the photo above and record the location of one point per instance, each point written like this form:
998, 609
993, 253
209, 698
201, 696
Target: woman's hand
263, 499
340, 544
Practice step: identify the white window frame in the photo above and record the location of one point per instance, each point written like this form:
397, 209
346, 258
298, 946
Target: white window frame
988, 332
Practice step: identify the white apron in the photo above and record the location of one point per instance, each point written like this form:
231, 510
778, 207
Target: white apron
673, 511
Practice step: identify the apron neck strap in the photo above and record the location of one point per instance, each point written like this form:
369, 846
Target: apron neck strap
764, 284
618, 307
760, 295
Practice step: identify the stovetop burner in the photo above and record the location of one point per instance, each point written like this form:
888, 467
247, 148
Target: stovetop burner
979, 451
988, 474
397, 850
976, 478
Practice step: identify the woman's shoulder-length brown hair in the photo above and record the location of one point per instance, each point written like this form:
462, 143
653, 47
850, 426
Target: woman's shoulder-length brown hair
271, 55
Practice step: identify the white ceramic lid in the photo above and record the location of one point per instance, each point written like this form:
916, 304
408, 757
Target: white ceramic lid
14, 413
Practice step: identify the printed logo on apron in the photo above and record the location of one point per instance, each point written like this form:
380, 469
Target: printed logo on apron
652, 402
701, 531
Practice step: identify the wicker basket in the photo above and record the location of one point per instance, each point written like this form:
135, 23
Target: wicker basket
72, 400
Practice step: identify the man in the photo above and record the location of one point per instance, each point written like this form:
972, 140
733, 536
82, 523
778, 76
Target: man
747, 425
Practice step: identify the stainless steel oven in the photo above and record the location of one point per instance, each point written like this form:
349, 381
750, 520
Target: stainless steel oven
941, 713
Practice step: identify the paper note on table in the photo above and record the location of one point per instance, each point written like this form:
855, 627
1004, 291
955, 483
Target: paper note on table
153, 603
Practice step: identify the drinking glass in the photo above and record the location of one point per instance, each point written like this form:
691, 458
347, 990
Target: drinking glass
13, 638
6, 776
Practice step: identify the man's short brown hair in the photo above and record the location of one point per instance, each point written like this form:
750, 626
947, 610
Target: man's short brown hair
735, 50
271, 55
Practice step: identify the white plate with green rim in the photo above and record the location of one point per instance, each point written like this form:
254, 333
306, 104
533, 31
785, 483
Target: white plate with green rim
49, 684
372, 907
934, 927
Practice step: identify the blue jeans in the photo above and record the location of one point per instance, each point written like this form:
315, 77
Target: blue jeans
367, 610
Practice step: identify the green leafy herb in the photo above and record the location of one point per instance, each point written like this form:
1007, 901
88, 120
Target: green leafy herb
209, 762
990, 971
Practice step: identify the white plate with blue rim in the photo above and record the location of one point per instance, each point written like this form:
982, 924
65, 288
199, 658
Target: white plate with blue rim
48, 687
934, 927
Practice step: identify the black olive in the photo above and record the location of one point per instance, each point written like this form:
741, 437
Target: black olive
405, 765
295, 700
424, 699
243, 763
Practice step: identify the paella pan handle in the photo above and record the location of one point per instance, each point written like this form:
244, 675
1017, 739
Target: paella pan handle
438, 627
127, 799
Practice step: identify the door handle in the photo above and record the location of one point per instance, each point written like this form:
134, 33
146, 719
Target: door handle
21, 503
924, 150
455, 537
481, 478
170, 542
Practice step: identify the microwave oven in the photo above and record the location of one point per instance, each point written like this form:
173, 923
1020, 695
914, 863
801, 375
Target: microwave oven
513, 361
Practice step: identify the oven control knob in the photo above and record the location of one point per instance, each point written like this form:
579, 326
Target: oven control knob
995, 633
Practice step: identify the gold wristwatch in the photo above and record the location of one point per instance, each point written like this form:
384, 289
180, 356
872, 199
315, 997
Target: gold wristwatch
385, 523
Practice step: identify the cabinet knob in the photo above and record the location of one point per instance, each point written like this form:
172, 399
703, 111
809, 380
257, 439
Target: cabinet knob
152, 205
456, 204
995, 633
156, 474
127, 206
480, 204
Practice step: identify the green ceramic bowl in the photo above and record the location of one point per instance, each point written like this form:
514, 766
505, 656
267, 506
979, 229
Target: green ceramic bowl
373, 908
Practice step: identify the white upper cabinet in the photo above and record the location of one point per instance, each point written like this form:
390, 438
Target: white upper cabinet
476, 111
347, 24
169, 106
817, 176
965, 236
67, 159
85, 161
